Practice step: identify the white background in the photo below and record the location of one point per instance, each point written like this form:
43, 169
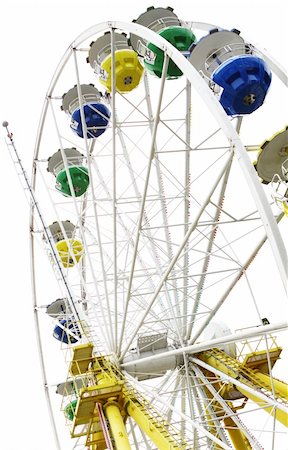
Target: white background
34, 35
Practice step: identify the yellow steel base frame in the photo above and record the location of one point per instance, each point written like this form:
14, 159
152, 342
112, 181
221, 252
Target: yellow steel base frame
104, 385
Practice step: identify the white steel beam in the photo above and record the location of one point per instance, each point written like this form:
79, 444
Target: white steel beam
202, 346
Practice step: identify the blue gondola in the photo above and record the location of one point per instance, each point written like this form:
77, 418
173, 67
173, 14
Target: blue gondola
245, 81
62, 335
96, 117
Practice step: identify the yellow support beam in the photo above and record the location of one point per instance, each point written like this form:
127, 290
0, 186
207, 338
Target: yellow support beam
152, 427
221, 361
117, 426
238, 438
280, 415
280, 386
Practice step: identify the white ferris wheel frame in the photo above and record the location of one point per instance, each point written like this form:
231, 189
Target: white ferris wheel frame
268, 220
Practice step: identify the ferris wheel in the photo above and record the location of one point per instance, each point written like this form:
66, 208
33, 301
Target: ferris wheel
160, 212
